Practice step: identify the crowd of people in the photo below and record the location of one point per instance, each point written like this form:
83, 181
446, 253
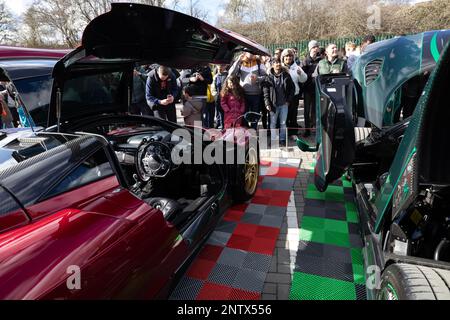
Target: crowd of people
12, 112
217, 96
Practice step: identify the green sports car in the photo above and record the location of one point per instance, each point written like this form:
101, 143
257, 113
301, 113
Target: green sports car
386, 126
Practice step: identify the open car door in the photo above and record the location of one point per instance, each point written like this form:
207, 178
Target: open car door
335, 134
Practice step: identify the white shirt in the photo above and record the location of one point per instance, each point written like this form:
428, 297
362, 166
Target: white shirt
298, 76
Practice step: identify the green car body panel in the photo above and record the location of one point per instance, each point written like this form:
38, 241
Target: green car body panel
400, 59
407, 153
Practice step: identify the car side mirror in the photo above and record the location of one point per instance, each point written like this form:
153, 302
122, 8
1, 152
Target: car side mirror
305, 146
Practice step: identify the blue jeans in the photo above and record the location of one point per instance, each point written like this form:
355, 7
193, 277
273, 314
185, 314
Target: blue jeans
281, 113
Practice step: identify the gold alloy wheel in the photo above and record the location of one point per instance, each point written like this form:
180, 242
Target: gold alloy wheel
251, 172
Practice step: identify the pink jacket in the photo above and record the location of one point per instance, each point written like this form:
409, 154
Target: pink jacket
232, 108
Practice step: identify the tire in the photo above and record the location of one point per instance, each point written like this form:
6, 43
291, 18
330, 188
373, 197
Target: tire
247, 177
401, 281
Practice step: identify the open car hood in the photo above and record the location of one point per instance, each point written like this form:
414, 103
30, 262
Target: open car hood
168, 37
136, 34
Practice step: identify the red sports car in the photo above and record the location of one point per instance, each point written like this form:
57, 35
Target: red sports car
97, 206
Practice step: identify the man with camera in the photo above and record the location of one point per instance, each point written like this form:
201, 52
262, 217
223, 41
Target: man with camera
198, 79
161, 88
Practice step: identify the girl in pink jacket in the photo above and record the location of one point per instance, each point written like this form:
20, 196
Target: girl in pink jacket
232, 102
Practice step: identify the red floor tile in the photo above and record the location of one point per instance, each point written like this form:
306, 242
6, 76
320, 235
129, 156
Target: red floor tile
212, 291
237, 294
210, 253
261, 200
263, 246
239, 242
280, 198
200, 269
246, 229
267, 233
232, 215
240, 207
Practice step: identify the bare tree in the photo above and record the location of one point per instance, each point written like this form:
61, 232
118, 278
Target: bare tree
193, 9
8, 27
59, 22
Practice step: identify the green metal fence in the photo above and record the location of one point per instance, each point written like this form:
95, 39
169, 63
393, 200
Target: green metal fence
302, 46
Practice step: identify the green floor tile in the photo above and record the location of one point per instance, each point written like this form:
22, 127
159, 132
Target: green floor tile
333, 193
313, 223
334, 196
336, 226
315, 195
352, 213
335, 189
312, 287
352, 217
337, 238
346, 183
325, 231
358, 274
357, 256
312, 236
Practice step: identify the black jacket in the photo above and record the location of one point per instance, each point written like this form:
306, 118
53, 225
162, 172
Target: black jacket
199, 87
309, 65
153, 91
269, 91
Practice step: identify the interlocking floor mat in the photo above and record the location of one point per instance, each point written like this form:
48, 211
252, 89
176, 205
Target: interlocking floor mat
329, 264
236, 258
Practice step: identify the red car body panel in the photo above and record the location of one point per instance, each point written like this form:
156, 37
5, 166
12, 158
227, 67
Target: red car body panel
25, 53
13, 220
127, 252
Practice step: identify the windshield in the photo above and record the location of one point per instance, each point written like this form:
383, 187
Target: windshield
35, 93
92, 94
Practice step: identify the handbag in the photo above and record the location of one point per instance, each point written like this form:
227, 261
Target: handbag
209, 96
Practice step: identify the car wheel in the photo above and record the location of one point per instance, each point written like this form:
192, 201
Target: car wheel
401, 281
247, 177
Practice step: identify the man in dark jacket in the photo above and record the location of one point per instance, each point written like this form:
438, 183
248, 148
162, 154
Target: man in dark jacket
278, 91
309, 65
161, 88
139, 104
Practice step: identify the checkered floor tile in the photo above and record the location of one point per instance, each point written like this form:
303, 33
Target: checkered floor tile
236, 258
329, 263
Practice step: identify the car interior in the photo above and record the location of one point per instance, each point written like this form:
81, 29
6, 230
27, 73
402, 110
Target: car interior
145, 150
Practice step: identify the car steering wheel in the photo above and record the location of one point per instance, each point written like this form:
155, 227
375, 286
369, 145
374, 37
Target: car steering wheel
153, 160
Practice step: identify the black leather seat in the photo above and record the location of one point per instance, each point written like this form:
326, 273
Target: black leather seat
168, 207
